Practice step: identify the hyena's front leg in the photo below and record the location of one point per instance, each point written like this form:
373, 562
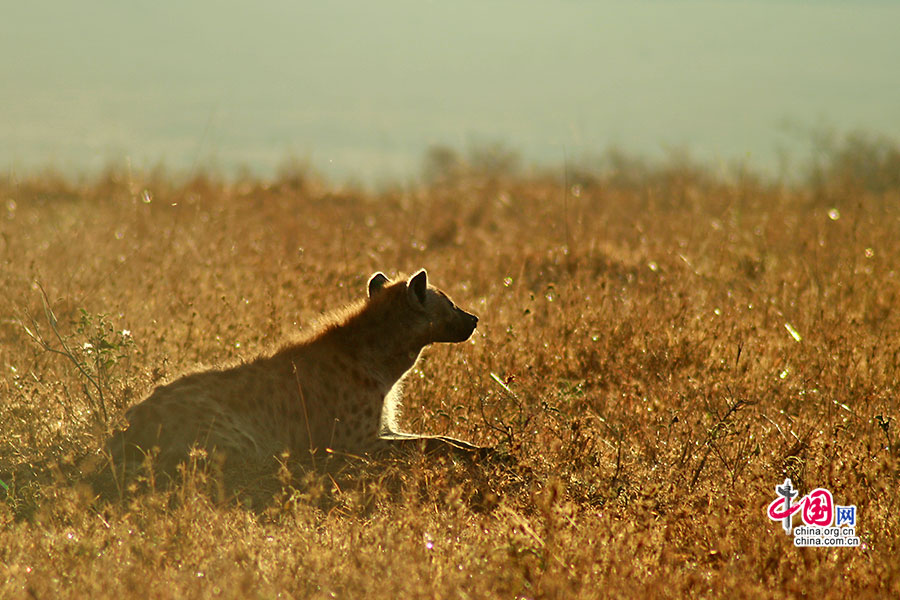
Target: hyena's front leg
429, 444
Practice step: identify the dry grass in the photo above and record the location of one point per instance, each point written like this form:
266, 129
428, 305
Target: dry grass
646, 386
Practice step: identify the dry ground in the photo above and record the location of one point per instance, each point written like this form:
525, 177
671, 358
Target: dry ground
657, 349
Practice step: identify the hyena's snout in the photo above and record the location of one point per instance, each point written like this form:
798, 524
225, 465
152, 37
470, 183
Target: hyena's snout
463, 326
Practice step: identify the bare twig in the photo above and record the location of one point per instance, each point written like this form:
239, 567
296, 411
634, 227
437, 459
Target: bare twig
713, 433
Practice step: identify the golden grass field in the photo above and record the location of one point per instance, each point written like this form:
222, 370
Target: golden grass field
658, 348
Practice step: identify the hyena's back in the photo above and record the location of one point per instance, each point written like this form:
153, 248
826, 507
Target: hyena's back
218, 410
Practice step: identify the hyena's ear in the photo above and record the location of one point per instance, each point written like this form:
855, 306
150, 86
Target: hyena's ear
376, 282
417, 286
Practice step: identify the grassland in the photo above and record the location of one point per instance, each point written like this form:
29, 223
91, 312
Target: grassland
658, 348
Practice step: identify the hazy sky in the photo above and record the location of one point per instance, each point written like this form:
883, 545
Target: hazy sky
362, 88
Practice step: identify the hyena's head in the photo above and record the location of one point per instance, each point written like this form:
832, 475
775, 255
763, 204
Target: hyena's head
427, 311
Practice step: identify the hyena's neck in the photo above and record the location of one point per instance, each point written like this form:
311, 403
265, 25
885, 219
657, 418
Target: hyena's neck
386, 358
376, 340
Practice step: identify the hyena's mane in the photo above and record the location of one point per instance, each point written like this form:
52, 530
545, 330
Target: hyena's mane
351, 319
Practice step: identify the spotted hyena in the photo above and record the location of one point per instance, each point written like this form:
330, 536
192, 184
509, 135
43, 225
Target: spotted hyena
337, 389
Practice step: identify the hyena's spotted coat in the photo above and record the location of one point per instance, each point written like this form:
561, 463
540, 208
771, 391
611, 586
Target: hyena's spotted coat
335, 390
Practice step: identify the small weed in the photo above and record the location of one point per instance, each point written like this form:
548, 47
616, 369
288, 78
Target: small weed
95, 349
